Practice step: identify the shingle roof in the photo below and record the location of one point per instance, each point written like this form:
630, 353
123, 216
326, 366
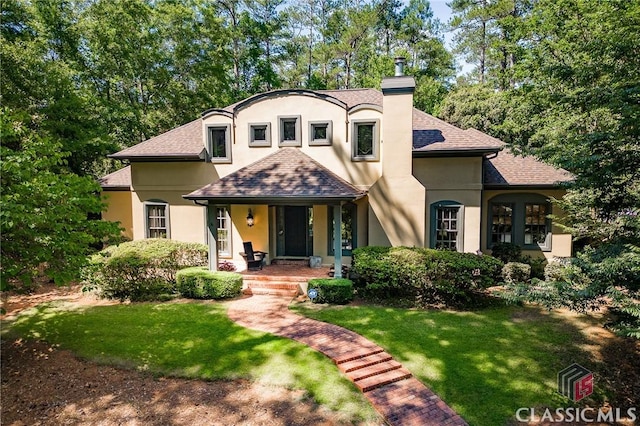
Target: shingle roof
118, 180
184, 142
288, 174
432, 135
507, 169
353, 97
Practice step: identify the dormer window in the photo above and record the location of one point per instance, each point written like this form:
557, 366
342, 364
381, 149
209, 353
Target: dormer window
289, 130
219, 143
320, 133
366, 140
259, 134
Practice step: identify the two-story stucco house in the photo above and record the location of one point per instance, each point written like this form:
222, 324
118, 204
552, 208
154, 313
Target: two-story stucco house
303, 173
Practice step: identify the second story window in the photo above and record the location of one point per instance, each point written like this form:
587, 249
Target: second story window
366, 140
320, 133
259, 134
289, 130
219, 143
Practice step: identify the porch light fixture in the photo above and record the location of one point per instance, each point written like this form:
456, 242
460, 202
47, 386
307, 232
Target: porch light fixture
250, 218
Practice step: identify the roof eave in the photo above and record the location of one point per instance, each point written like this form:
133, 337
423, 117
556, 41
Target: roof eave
159, 158
275, 200
465, 152
522, 186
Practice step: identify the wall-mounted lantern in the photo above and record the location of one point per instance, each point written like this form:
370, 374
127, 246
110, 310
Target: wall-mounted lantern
250, 220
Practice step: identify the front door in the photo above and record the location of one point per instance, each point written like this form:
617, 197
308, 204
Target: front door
294, 238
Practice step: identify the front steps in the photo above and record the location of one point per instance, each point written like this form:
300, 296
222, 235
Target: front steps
372, 370
273, 285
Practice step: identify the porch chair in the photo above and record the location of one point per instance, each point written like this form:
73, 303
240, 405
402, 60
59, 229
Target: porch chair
254, 259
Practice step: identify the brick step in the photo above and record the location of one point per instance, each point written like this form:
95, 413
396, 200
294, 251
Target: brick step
276, 285
379, 380
289, 279
359, 363
270, 292
359, 354
373, 370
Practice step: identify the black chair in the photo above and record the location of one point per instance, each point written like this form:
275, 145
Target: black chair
254, 259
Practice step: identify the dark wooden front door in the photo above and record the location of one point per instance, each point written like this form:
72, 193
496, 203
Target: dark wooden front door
293, 231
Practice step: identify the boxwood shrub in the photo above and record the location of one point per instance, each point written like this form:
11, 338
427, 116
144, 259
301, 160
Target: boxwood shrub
200, 283
432, 276
332, 290
141, 270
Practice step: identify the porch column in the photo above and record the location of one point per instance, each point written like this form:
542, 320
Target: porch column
337, 240
212, 233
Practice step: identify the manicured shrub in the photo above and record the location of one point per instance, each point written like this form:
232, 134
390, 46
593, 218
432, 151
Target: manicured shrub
332, 290
516, 272
141, 270
507, 252
433, 276
200, 283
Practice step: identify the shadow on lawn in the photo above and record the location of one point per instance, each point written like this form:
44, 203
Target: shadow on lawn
486, 364
192, 340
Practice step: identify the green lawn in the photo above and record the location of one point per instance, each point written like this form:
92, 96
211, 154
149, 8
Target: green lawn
194, 340
484, 364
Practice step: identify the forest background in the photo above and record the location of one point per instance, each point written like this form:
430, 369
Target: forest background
558, 79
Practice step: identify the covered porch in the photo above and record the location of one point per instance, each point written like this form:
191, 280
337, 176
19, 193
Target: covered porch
273, 201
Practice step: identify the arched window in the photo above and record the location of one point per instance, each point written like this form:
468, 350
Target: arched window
521, 219
156, 213
447, 225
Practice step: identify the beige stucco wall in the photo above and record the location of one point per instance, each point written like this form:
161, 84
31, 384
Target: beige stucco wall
336, 157
397, 199
119, 210
453, 179
168, 182
561, 242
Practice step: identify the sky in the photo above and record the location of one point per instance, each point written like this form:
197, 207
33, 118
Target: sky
443, 12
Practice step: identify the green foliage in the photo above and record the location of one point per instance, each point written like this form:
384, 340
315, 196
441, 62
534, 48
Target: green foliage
141, 270
332, 290
46, 215
605, 275
433, 276
506, 252
516, 272
200, 283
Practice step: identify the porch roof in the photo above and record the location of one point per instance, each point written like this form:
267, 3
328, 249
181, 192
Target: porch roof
287, 176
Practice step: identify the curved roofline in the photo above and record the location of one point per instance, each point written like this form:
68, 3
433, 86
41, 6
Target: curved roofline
216, 111
359, 107
274, 93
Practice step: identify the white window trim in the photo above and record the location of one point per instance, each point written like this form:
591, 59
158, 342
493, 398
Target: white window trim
298, 139
227, 133
267, 132
321, 142
376, 140
229, 254
167, 221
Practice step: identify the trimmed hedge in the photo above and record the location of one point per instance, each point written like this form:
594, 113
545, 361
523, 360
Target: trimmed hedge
432, 276
332, 290
141, 270
200, 283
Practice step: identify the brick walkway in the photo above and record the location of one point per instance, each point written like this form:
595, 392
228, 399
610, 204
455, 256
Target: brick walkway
398, 396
